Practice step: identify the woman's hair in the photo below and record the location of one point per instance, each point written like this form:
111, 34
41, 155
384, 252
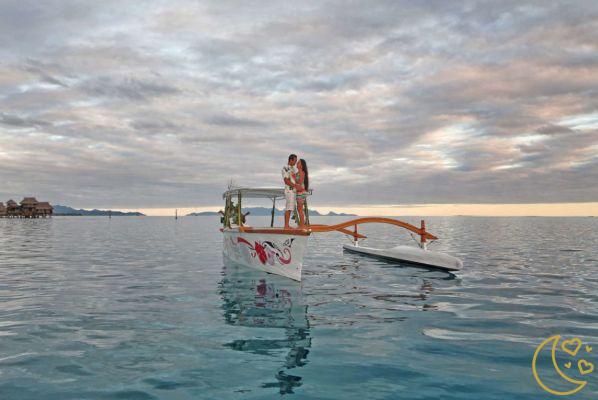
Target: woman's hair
304, 167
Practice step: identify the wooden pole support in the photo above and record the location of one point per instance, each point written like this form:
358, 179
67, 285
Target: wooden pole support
239, 215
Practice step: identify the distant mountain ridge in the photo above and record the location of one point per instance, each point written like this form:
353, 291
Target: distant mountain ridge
264, 211
69, 211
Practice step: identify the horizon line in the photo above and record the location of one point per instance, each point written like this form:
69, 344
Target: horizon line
580, 209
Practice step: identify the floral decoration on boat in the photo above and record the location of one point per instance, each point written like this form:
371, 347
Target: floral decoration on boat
268, 252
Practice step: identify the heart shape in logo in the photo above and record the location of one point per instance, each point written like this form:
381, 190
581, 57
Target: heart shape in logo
568, 365
571, 346
585, 367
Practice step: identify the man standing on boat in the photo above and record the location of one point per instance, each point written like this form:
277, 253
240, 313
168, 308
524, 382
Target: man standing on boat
290, 188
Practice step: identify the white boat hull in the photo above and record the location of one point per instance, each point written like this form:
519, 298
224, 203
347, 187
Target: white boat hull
410, 254
280, 254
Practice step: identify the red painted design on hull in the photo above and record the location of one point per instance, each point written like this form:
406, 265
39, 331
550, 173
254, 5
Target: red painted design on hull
268, 252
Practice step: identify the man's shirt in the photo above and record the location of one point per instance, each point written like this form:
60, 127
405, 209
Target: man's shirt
288, 172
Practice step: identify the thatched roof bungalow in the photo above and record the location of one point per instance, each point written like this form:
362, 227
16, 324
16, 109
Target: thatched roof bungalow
3, 210
28, 205
44, 209
12, 208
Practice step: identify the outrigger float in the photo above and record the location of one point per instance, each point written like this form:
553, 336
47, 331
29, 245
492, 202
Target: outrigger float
280, 251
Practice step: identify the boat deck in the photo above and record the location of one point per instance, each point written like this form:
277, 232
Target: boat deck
269, 230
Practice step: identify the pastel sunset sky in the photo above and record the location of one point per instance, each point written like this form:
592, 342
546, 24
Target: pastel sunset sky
399, 107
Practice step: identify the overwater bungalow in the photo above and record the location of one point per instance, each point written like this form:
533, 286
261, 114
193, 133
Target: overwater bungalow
29, 208
12, 209
44, 209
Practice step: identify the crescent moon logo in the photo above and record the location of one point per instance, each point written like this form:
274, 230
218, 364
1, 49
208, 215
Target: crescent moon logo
571, 347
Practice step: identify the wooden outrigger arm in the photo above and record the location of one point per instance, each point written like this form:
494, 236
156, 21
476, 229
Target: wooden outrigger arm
424, 236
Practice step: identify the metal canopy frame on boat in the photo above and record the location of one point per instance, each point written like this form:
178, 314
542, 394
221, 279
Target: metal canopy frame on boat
273, 194
255, 193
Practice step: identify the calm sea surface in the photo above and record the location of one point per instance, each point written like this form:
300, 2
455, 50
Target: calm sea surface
145, 308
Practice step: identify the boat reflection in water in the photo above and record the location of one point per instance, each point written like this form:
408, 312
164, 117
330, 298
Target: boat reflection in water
255, 299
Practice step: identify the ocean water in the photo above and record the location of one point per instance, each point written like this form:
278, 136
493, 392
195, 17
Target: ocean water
145, 308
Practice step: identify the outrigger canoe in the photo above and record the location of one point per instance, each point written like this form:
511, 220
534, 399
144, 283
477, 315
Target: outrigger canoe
410, 255
280, 251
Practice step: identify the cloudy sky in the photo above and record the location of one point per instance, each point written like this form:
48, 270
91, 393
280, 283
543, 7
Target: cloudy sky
158, 104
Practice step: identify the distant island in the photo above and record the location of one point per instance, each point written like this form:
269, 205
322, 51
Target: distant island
69, 211
264, 211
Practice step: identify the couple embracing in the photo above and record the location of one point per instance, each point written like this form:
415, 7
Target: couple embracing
296, 185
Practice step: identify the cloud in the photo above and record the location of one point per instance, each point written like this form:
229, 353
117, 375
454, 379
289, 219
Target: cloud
229, 120
16, 121
131, 89
110, 104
